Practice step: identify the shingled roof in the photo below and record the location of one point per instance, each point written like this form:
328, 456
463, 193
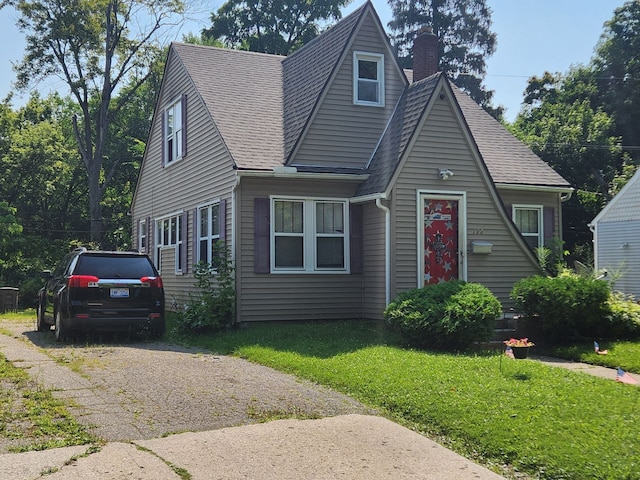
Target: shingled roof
262, 103
398, 134
243, 94
508, 160
307, 73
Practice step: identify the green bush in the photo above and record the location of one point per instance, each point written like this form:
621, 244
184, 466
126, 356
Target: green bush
213, 308
565, 307
624, 317
449, 315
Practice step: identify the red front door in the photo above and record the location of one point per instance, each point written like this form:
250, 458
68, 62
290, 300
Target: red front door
440, 240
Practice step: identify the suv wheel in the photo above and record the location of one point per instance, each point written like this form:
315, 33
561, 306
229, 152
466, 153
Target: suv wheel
41, 325
61, 331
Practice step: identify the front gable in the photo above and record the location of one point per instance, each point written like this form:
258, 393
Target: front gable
436, 140
342, 132
203, 152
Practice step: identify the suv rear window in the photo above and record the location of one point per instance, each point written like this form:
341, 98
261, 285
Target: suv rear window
114, 266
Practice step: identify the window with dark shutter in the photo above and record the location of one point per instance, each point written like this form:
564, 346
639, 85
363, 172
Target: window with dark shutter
174, 131
262, 246
356, 238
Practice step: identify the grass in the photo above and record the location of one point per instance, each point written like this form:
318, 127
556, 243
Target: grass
31, 418
625, 355
507, 414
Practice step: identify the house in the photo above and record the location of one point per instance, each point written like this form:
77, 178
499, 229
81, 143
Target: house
335, 181
616, 238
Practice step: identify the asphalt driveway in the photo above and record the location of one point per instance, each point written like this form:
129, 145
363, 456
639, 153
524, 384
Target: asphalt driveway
144, 390
167, 412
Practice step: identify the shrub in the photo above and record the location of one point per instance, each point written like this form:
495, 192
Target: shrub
565, 307
213, 308
624, 317
449, 315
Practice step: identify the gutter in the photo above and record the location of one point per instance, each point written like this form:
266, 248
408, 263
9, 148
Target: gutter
292, 172
565, 192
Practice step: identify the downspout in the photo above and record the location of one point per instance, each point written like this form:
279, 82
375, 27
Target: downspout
234, 229
387, 250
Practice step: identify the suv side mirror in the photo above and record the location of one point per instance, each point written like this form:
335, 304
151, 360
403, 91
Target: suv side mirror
46, 274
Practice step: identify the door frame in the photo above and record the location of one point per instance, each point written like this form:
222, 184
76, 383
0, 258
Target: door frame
461, 198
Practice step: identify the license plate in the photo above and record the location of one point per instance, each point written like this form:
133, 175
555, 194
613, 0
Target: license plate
119, 293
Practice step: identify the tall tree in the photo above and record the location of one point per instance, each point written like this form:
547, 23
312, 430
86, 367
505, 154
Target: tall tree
563, 121
271, 26
465, 39
95, 47
617, 67
39, 171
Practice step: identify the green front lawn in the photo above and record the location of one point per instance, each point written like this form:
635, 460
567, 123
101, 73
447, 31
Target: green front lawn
625, 355
507, 414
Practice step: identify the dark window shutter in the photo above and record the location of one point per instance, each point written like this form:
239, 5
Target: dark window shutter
356, 238
196, 239
147, 234
163, 138
549, 224
222, 209
262, 260
509, 211
136, 235
184, 236
150, 233
184, 125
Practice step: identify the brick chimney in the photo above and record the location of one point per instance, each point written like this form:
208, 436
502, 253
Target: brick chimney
425, 54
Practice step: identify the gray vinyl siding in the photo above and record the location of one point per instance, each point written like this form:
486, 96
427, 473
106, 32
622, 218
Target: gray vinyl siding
442, 144
343, 134
618, 252
544, 199
204, 175
374, 261
273, 297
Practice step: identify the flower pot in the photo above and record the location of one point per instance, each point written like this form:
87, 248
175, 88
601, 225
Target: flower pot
520, 352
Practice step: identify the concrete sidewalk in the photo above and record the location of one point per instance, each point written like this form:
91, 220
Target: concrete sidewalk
595, 370
351, 447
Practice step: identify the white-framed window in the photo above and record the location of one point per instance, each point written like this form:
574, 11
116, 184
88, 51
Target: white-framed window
309, 235
529, 220
173, 145
142, 236
208, 231
368, 79
169, 235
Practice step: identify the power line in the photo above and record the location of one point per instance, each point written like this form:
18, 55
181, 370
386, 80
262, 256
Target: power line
587, 146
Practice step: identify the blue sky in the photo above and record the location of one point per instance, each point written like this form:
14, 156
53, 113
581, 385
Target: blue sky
533, 36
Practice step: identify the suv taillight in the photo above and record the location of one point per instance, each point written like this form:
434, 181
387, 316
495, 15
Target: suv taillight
83, 281
155, 282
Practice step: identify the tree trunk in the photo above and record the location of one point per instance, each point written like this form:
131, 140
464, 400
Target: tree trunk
95, 203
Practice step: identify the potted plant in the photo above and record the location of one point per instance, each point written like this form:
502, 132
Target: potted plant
519, 346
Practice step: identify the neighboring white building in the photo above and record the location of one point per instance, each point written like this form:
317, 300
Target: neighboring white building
616, 238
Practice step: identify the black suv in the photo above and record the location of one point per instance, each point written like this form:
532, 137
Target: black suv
102, 291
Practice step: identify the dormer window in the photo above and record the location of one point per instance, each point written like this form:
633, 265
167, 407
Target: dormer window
368, 79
